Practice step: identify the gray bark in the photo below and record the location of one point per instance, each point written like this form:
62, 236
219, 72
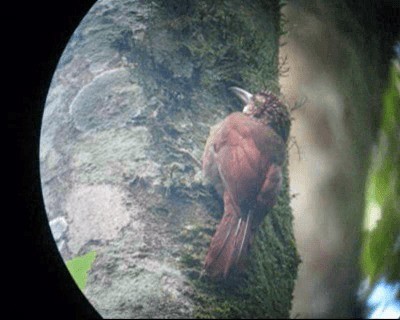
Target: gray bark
128, 112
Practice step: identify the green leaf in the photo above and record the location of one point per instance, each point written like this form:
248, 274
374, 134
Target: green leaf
381, 252
79, 267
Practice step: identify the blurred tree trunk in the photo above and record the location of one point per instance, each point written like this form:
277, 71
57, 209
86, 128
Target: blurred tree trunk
350, 43
130, 108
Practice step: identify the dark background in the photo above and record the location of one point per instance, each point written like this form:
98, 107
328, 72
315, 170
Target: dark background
40, 284
38, 33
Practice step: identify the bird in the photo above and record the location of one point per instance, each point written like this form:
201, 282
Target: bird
243, 159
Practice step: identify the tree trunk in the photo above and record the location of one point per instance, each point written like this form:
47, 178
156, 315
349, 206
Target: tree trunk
129, 109
340, 52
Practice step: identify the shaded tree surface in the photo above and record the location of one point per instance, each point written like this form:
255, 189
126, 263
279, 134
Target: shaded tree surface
338, 57
127, 115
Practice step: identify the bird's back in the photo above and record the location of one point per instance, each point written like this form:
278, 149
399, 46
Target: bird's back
243, 148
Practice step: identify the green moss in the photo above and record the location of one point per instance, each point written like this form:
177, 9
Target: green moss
206, 41
274, 262
195, 50
229, 43
265, 291
196, 239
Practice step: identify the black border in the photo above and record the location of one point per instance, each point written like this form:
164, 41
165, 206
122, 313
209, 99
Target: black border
40, 284
38, 31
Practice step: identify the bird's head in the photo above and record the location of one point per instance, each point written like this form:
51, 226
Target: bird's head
267, 108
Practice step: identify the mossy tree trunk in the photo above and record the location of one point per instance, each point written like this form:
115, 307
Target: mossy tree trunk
165, 70
202, 48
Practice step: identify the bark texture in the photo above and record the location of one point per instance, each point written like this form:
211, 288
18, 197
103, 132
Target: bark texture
128, 112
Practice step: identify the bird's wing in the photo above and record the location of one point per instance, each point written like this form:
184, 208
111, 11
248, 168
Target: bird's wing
245, 149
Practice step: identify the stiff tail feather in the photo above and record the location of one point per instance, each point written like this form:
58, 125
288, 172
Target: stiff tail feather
229, 245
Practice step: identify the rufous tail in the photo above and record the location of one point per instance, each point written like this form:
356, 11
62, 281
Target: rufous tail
230, 243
